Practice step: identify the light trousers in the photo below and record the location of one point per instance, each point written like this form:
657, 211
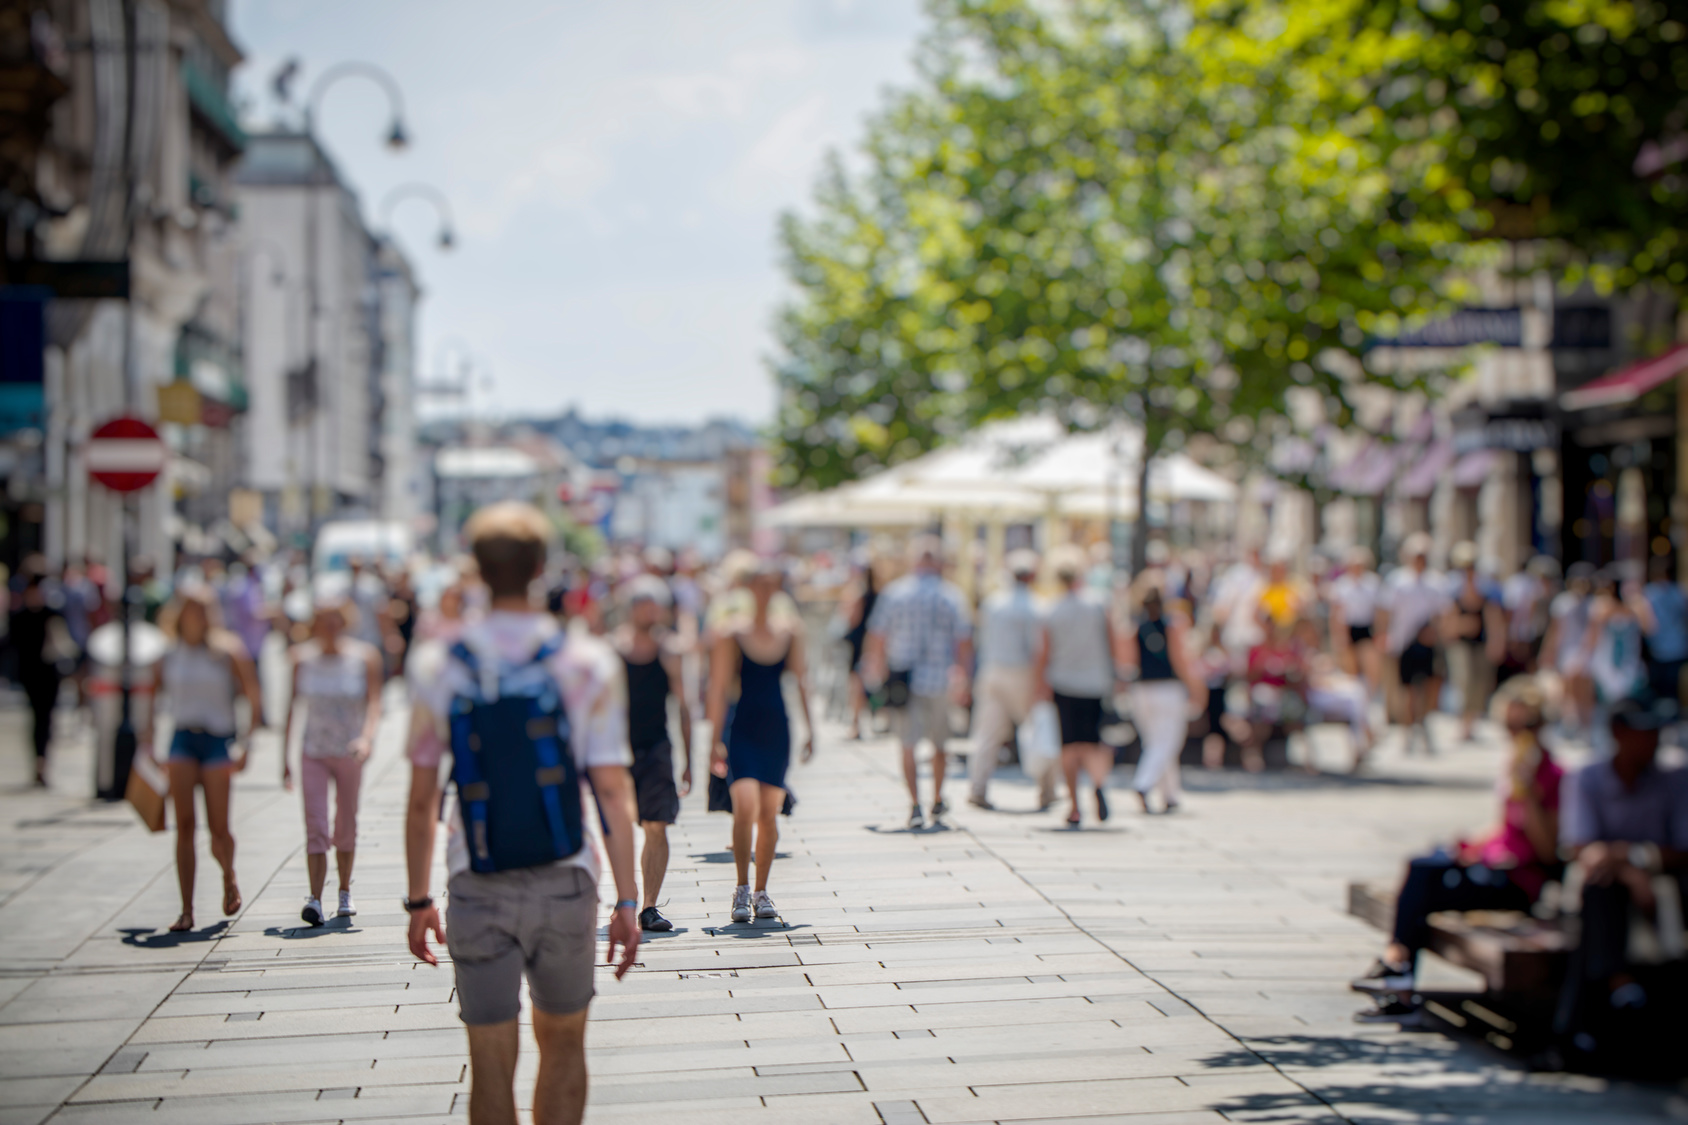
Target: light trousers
346, 773
1158, 710
1002, 698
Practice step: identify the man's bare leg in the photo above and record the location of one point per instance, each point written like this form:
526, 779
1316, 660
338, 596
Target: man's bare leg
653, 860
492, 1073
911, 774
559, 1093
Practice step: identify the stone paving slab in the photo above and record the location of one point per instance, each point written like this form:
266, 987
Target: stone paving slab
1181, 970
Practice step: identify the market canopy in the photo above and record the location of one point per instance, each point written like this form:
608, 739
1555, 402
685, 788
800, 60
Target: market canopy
1627, 384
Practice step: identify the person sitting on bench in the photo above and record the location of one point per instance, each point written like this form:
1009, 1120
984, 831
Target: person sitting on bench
1504, 870
1626, 823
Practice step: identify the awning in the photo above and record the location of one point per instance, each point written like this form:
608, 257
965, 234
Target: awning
1627, 383
1420, 480
1473, 468
1370, 472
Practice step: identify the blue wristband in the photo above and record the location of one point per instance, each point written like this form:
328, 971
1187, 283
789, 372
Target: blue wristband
629, 903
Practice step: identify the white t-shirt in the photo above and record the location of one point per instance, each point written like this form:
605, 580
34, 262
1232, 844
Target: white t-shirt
586, 671
1413, 600
1356, 596
1236, 597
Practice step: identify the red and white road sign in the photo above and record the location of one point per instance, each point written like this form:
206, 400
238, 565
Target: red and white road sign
125, 454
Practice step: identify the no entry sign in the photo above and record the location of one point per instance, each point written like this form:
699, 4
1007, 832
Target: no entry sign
125, 454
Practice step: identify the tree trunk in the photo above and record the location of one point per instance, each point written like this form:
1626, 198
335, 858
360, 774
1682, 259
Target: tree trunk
1140, 529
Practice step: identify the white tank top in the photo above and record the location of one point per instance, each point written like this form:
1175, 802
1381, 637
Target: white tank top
335, 691
201, 685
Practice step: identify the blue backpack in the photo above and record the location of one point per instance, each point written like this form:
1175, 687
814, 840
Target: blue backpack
517, 786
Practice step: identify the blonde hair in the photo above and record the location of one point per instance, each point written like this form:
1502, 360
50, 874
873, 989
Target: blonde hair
203, 597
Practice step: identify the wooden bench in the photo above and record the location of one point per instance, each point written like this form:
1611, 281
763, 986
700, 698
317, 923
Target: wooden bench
1513, 952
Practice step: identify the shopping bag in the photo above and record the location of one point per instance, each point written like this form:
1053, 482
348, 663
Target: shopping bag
1040, 739
148, 787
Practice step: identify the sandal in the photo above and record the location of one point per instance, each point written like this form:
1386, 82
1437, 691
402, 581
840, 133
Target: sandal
231, 898
183, 924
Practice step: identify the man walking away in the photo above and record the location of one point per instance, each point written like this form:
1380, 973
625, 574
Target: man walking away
517, 918
1010, 631
1662, 609
919, 643
653, 674
1414, 600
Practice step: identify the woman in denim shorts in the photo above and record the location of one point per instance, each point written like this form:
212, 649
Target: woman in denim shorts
199, 678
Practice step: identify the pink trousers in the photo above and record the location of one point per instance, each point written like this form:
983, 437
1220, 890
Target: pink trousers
347, 775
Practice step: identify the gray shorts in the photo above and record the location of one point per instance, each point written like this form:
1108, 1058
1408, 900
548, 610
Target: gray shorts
540, 920
926, 716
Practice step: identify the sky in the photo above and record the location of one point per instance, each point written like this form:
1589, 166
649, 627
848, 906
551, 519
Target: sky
615, 171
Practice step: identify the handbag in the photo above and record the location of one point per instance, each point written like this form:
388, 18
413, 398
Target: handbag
897, 688
1040, 738
147, 788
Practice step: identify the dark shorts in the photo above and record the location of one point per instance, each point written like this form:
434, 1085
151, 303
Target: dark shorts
653, 783
1418, 664
1081, 718
1358, 633
538, 922
202, 747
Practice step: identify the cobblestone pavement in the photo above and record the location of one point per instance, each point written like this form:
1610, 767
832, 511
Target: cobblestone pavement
1185, 969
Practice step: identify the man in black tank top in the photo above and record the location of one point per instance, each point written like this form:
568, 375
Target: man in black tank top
653, 674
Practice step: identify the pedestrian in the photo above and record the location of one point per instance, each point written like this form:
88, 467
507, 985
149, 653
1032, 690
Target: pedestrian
44, 650
1010, 634
1278, 675
530, 907
1612, 653
1160, 698
1075, 669
197, 683
1410, 614
1236, 607
1662, 610
864, 595
1353, 600
372, 623
1505, 869
244, 611
1565, 647
652, 670
920, 646
401, 609
1526, 596
338, 679
1476, 628
752, 740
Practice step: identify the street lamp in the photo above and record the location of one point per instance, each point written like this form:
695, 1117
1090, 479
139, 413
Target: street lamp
397, 138
447, 238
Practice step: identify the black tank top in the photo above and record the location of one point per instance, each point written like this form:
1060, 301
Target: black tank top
1154, 660
647, 703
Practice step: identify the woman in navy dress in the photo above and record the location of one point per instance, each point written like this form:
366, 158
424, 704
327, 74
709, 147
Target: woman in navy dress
752, 746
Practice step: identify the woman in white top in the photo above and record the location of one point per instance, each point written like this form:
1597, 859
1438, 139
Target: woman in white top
1074, 669
197, 681
1353, 609
338, 678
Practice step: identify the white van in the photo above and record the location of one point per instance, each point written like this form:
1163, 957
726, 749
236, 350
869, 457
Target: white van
382, 543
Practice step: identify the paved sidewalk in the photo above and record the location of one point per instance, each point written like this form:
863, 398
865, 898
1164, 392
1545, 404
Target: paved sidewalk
1158, 971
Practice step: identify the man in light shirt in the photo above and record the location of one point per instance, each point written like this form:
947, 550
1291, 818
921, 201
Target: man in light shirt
1409, 616
538, 922
1010, 630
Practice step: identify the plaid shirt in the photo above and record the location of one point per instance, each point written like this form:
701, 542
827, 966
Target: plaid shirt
922, 618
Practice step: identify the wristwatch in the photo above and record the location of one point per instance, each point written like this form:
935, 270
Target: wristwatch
415, 904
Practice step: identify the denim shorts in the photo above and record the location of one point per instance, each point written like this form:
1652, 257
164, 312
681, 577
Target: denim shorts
201, 746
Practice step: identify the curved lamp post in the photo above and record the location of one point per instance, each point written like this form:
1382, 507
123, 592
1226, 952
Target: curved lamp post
447, 237
397, 137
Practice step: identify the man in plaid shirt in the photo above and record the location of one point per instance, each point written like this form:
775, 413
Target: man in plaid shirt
920, 645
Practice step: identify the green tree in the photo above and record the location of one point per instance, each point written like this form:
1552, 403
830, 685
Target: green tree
1100, 209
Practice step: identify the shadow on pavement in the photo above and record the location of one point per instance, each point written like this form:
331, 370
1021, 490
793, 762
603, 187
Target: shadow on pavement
754, 929
1485, 1086
154, 938
726, 857
927, 831
335, 925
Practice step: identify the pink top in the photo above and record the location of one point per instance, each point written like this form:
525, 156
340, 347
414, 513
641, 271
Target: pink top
1508, 847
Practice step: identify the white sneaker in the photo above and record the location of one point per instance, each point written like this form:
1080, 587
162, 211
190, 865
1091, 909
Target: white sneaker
347, 906
741, 904
312, 912
765, 906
